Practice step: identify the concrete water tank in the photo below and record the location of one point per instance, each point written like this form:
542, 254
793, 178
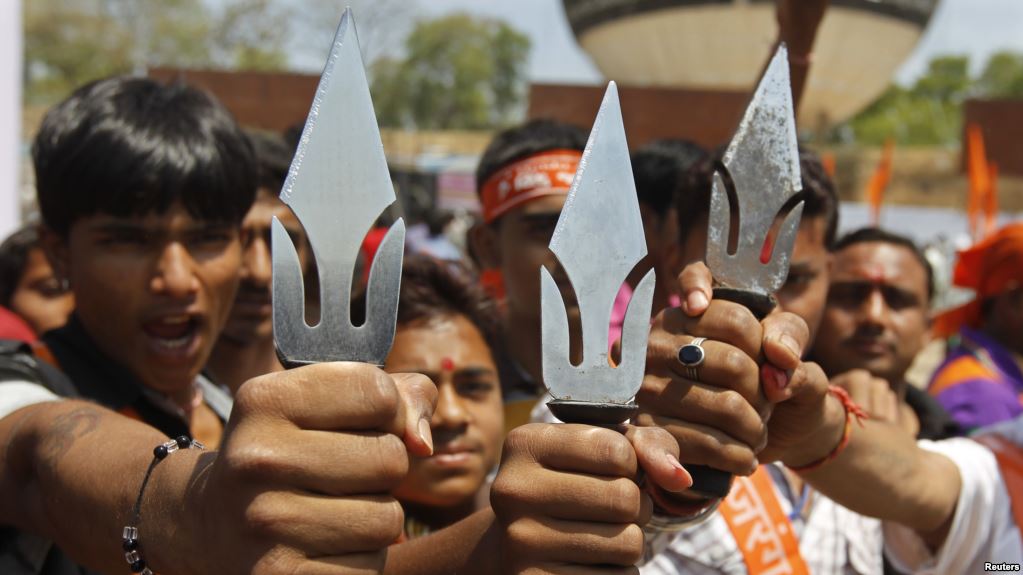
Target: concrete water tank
723, 45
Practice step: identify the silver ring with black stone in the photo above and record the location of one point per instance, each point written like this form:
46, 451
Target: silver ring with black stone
691, 356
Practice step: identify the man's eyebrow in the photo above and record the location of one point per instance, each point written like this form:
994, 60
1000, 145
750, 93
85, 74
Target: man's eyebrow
802, 267
474, 371
119, 226
540, 216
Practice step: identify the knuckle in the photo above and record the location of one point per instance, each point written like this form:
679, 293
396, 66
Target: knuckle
614, 449
262, 515
380, 395
277, 561
256, 394
519, 440
735, 363
521, 536
630, 545
739, 321
390, 519
507, 495
392, 459
732, 402
253, 459
624, 500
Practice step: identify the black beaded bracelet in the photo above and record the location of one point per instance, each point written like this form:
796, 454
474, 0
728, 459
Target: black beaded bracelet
130, 535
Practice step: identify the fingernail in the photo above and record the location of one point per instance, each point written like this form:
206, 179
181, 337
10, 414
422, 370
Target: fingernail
425, 434
680, 471
791, 344
774, 377
696, 301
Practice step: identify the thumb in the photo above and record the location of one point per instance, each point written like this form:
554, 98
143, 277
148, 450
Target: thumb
418, 398
695, 284
657, 454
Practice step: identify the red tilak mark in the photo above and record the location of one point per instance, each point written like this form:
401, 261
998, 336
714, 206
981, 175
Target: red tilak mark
447, 364
876, 274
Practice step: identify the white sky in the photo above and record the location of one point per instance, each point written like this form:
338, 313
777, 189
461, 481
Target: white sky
974, 27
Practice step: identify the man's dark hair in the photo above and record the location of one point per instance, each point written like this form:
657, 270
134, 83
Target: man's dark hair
13, 257
877, 235
657, 168
131, 146
820, 200
432, 289
273, 155
533, 137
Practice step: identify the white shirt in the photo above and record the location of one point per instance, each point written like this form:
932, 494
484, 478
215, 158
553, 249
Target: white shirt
15, 395
832, 539
983, 529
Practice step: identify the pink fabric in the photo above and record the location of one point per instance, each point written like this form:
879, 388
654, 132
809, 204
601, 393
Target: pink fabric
621, 305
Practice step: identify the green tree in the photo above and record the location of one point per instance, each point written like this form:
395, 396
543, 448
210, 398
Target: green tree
928, 113
70, 42
1002, 76
458, 72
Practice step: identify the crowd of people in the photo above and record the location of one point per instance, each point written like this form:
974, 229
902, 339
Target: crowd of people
148, 425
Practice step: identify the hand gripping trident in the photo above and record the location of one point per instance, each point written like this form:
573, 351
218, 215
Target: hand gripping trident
762, 162
338, 185
598, 241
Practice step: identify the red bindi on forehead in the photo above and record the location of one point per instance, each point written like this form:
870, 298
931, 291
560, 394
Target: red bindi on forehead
875, 273
447, 364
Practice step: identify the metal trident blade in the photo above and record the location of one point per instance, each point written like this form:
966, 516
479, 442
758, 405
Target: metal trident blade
598, 241
763, 162
338, 185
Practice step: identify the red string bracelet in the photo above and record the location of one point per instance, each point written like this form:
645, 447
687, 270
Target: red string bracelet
852, 410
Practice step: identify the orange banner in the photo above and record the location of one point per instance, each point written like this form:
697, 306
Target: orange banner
991, 201
828, 161
879, 181
980, 178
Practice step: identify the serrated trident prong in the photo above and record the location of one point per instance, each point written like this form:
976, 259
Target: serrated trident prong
598, 241
338, 185
763, 163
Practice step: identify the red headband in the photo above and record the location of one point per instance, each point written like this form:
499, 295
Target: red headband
547, 173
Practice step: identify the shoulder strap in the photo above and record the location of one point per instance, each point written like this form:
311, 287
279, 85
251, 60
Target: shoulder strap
1010, 463
35, 363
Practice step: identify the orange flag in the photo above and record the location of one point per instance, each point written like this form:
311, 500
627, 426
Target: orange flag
879, 181
980, 178
991, 201
828, 161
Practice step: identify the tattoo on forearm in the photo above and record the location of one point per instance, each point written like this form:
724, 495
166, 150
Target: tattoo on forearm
66, 430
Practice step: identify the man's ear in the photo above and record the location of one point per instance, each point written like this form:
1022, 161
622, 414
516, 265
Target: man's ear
485, 245
55, 246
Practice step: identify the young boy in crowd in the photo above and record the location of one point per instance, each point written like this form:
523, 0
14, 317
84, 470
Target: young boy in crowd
28, 286
245, 348
150, 244
523, 179
142, 188
446, 326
